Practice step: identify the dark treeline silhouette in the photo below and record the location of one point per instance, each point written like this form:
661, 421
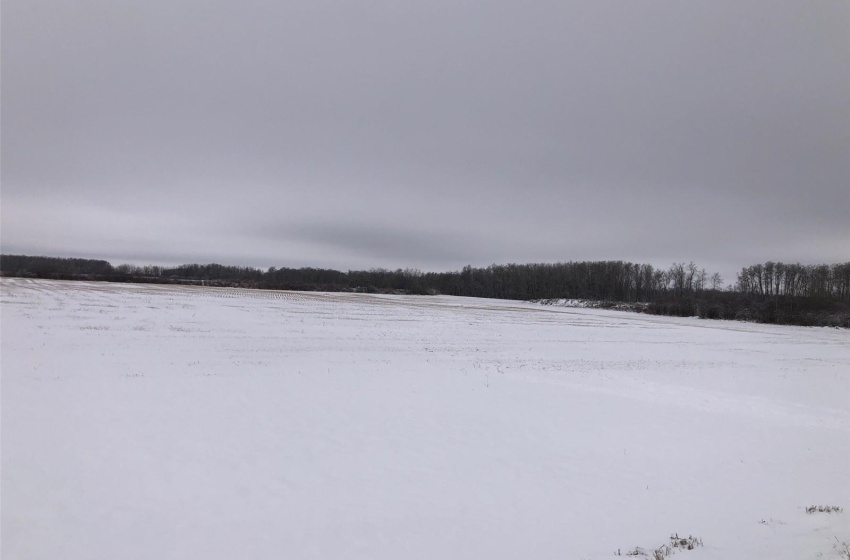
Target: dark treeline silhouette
778, 279
21, 265
770, 292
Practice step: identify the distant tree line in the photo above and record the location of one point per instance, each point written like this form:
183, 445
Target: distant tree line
21, 265
770, 292
796, 280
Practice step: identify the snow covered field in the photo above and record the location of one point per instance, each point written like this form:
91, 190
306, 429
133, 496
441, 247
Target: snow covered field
161, 422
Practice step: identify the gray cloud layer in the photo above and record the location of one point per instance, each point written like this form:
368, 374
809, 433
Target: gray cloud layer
429, 134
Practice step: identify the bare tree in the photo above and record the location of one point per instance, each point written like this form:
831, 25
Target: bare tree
716, 281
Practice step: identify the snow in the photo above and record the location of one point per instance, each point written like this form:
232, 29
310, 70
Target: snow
188, 422
594, 304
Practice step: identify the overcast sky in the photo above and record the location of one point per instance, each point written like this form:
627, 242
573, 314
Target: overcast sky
430, 134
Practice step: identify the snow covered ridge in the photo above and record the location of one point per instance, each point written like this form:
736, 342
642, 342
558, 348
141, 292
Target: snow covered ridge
592, 304
702, 310
150, 421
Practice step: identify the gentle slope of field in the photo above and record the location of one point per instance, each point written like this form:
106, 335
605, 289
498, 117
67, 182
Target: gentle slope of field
166, 422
